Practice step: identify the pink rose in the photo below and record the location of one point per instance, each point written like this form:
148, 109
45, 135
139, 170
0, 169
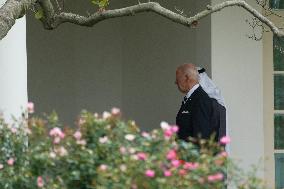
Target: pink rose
142, 156
175, 163
56, 132
190, 165
40, 182
103, 167
145, 134
174, 128
223, 154
77, 135
167, 173
115, 111
122, 150
171, 155
10, 161
225, 140
182, 172
149, 173
168, 133
30, 107
215, 177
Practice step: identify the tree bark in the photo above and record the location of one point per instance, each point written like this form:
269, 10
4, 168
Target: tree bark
14, 9
10, 12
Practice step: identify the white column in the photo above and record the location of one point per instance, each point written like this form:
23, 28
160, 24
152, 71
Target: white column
237, 70
13, 70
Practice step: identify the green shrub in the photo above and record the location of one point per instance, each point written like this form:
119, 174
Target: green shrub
104, 151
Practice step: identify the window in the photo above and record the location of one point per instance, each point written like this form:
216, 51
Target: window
276, 4
278, 74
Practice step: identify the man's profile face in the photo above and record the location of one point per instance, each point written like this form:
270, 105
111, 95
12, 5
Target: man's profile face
181, 81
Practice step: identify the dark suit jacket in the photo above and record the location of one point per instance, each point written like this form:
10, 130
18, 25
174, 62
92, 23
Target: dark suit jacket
219, 118
198, 117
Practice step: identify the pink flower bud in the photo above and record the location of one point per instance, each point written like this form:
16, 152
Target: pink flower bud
77, 135
168, 133
215, 177
223, 154
145, 134
167, 173
103, 167
149, 173
142, 156
115, 111
122, 150
175, 163
191, 165
171, 155
182, 172
10, 161
225, 140
30, 107
40, 182
174, 128
56, 132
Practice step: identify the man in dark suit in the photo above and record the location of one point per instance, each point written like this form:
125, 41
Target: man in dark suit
197, 116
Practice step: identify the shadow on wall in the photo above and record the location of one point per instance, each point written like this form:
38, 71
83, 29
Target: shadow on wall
126, 62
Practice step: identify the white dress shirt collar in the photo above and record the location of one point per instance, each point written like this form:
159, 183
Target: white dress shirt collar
192, 90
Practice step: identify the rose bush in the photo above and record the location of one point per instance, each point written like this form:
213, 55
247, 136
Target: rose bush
104, 151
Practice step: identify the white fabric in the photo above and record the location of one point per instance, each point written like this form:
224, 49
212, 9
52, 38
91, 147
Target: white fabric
210, 88
213, 92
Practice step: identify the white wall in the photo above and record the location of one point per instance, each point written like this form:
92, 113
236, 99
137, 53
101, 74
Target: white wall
237, 69
13, 70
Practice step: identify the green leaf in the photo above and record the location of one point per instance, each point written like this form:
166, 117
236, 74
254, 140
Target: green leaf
39, 14
101, 3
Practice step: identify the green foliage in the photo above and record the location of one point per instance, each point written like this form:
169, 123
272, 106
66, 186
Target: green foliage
39, 14
102, 4
104, 151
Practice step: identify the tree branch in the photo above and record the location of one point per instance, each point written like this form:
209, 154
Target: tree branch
14, 9
158, 9
10, 11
